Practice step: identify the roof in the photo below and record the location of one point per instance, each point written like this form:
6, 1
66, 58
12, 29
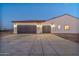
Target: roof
29, 21
63, 15
63, 19
41, 21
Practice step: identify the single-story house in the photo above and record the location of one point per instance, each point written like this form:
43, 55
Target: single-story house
61, 24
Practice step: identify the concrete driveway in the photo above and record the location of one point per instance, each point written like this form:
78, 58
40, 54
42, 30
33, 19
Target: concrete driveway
37, 45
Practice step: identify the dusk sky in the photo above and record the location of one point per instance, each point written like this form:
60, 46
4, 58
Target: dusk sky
34, 11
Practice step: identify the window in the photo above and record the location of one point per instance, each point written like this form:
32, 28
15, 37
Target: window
59, 27
67, 27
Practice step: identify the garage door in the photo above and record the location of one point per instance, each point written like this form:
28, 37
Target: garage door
46, 29
26, 29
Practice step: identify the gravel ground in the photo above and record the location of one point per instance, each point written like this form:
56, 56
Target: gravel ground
69, 36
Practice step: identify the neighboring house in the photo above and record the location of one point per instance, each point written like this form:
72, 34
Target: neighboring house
61, 24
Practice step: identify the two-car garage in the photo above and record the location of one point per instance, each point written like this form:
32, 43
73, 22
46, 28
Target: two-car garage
26, 29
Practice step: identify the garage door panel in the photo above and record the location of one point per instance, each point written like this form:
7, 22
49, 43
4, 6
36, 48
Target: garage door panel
46, 29
26, 29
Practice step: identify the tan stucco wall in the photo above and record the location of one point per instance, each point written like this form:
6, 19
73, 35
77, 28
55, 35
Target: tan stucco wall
65, 20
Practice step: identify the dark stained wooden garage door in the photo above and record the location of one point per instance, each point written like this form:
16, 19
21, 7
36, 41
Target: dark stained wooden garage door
46, 29
26, 29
